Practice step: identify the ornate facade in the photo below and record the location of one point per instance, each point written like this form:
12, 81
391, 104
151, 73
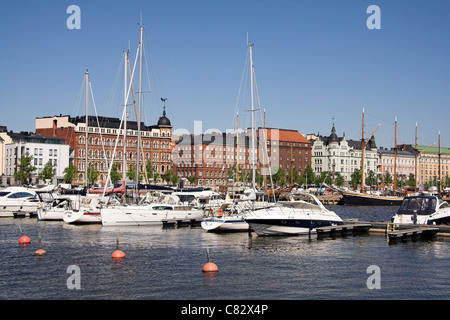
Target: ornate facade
104, 136
335, 154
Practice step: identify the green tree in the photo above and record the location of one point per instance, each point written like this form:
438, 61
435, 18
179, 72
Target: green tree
279, 177
47, 172
295, 176
131, 173
70, 172
371, 179
387, 178
24, 168
169, 176
114, 175
339, 180
355, 178
192, 179
92, 174
308, 176
151, 172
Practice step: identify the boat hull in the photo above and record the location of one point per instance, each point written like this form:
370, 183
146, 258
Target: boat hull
82, 216
369, 200
287, 226
7, 210
50, 215
143, 215
226, 224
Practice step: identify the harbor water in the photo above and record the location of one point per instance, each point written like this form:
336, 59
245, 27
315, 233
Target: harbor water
166, 263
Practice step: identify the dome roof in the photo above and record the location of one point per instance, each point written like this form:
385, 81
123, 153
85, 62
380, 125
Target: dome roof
333, 136
164, 121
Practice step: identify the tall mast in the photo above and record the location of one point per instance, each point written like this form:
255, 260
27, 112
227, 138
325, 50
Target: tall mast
415, 161
363, 146
253, 120
125, 77
86, 102
439, 163
395, 158
265, 150
139, 109
237, 148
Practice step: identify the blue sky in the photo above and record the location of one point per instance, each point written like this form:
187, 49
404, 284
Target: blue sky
314, 60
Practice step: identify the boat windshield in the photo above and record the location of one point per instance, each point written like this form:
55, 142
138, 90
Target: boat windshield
418, 205
4, 193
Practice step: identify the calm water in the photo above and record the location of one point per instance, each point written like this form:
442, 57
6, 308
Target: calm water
167, 263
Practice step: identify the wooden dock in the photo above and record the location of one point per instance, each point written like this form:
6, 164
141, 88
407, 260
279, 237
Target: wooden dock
405, 231
423, 232
344, 229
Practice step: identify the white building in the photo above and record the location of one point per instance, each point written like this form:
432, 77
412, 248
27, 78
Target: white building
335, 154
42, 149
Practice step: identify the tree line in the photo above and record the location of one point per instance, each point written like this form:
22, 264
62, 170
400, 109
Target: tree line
280, 177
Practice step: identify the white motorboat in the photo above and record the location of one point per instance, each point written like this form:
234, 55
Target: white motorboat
423, 209
18, 200
291, 218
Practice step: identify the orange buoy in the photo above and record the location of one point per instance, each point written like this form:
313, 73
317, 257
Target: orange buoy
118, 254
24, 241
40, 252
209, 266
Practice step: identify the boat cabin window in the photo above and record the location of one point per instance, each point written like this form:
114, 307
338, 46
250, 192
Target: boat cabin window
3, 193
418, 205
162, 208
20, 195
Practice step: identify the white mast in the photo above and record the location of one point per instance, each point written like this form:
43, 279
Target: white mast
86, 102
253, 120
139, 109
125, 123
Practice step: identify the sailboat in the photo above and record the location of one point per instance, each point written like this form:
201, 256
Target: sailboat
365, 199
85, 209
146, 214
230, 217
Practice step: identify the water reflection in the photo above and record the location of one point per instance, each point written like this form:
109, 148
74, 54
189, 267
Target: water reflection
166, 263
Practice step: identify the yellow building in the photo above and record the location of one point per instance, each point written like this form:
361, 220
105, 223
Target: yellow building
428, 165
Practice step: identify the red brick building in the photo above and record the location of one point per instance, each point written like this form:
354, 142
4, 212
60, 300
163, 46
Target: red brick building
212, 157
156, 142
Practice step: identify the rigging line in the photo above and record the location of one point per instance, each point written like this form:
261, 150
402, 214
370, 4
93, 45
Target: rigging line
266, 154
113, 89
98, 124
240, 86
77, 106
124, 114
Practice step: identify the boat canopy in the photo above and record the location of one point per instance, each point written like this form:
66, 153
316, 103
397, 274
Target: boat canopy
420, 205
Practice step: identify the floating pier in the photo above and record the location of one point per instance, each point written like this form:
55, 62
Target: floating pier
392, 231
344, 229
423, 232
405, 231
179, 223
